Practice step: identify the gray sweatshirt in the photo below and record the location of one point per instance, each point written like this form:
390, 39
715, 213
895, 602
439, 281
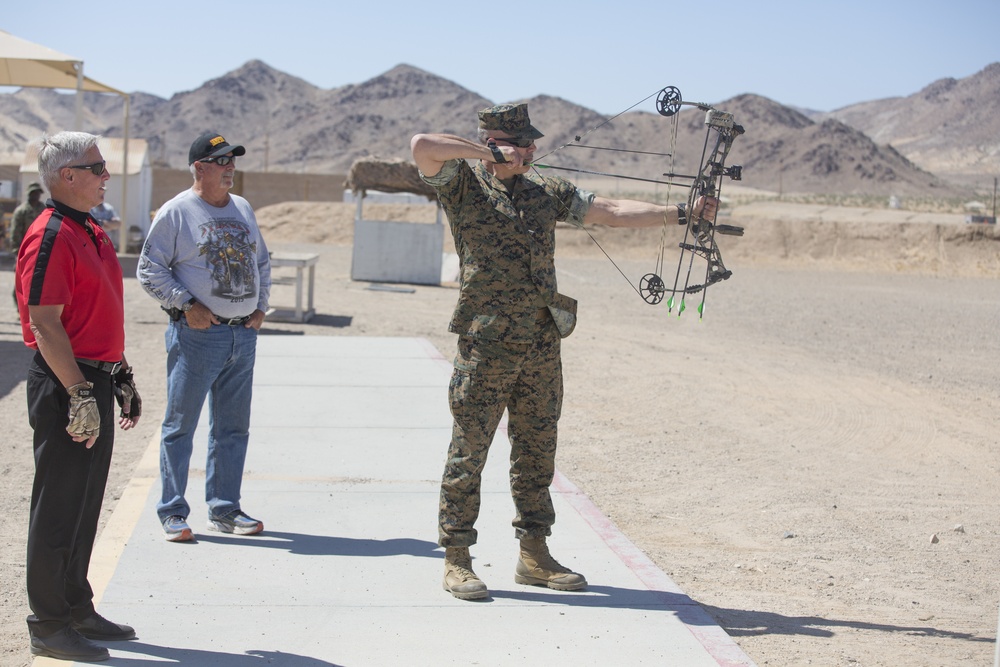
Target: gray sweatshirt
215, 255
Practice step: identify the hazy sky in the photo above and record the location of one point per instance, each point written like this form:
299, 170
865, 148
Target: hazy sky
815, 54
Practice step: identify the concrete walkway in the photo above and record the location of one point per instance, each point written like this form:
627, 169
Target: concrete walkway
348, 440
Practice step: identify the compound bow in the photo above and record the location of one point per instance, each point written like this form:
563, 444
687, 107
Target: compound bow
699, 234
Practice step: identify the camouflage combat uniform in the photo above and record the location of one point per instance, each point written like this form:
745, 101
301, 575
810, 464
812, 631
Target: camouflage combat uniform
508, 318
24, 215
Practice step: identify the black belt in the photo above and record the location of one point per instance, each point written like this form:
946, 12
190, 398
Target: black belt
110, 367
232, 321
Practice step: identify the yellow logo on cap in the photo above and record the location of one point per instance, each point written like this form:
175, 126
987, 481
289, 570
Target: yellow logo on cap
216, 141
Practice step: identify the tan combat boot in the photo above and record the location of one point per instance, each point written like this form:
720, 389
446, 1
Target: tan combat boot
537, 567
459, 579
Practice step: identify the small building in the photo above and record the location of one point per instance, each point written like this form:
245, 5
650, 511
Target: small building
137, 189
393, 251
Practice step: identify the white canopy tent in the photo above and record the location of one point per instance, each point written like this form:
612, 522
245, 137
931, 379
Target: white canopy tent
30, 65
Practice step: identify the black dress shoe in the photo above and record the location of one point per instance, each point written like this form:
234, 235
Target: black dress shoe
67, 644
96, 626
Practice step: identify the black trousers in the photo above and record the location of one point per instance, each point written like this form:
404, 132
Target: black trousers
66, 499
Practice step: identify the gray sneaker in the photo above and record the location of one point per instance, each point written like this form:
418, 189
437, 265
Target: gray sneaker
176, 529
236, 522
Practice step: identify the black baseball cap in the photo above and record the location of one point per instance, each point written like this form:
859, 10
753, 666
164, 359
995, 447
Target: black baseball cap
211, 144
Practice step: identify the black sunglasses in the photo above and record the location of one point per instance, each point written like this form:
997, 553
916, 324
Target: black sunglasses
97, 169
514, 141
222, 160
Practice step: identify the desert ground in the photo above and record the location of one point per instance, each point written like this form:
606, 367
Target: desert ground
815, 461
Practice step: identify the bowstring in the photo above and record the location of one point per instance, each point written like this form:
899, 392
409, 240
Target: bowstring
613, 263
675, 122
609, 148
579, 138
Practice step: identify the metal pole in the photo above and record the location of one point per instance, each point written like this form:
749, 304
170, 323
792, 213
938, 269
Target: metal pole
994, 199
78, 120
123, 212
996, 644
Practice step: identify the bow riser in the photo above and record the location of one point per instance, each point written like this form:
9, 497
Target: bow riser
708, 183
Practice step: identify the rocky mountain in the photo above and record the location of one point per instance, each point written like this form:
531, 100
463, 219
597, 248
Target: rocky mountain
951, 127
786, 148
289, 125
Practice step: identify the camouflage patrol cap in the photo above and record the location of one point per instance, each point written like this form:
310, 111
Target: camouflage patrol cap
509, 118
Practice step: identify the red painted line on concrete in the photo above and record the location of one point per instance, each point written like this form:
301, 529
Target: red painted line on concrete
717, 643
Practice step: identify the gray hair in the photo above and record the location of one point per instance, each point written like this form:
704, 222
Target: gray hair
61, 150
483, 135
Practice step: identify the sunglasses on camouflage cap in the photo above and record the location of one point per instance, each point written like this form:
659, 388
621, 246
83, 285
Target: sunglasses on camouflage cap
515, 141
97, 169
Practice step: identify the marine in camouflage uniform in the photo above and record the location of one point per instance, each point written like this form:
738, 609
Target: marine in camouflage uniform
509, 319
24, 215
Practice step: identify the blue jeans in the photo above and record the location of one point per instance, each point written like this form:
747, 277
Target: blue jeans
216, 363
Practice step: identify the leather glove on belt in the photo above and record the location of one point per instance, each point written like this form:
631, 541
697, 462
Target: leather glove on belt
126, 394
84, 417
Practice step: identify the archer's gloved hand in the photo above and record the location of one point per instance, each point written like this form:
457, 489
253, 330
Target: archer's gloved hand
84, 417
127, 395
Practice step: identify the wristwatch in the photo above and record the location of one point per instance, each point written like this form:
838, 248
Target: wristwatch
497, 153
188, 305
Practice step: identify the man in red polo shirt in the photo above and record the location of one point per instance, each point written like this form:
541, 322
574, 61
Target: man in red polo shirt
70, 298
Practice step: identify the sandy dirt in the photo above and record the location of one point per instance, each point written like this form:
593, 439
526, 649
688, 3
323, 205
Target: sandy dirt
815, 462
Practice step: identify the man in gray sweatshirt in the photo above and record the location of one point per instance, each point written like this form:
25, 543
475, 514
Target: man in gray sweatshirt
206, 263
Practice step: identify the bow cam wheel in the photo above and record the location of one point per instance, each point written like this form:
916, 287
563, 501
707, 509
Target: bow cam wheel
651, 288
668, 101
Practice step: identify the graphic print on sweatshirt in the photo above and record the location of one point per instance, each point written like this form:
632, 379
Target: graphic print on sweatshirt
232, 254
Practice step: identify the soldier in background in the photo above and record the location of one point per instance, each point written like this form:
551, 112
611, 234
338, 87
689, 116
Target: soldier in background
24, 215
509, 319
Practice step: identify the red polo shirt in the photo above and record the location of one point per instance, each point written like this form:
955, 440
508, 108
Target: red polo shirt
67, 259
